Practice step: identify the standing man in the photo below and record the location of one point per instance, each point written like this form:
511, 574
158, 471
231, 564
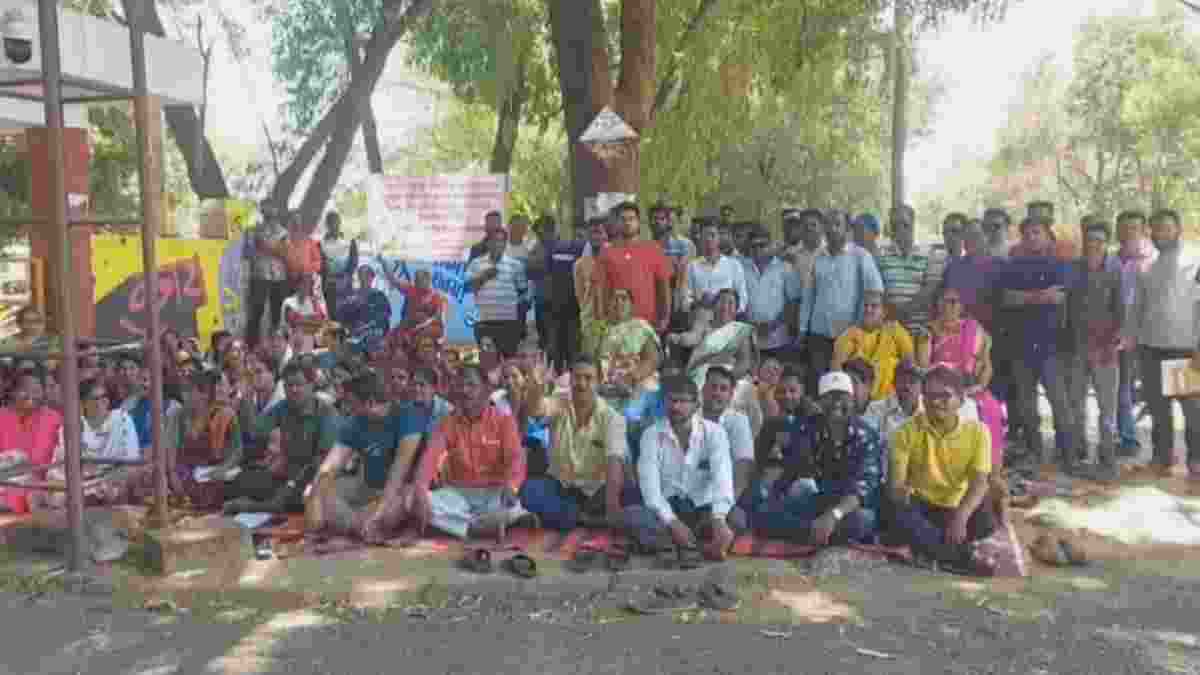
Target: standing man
866, 233
1137, 254
906, 273
338, 262
1164, 323
558, 313
636, 266
499, 284
1031, 284
970, 275
714, 271
834, 300
268, 274
679, 251
995, 225
1093, 315
772, 290
492, 222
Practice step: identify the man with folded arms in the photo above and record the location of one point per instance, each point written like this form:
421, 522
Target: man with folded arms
939, 479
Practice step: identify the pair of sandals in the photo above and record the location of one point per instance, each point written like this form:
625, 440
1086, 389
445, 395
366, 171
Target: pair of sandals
674, 598
590, 559
1058, 552
479, 561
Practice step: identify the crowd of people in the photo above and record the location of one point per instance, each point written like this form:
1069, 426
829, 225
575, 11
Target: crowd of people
834, 387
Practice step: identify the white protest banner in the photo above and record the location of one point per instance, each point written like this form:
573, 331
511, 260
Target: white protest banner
432, 218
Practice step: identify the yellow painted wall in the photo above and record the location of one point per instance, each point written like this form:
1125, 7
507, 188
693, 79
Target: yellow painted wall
117, 257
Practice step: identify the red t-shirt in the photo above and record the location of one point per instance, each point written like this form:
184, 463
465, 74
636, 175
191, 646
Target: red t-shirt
635, 267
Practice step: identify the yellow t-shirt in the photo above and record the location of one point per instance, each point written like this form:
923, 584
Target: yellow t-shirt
940, 468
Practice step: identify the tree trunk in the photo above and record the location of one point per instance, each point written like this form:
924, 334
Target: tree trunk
204, 173
508, 124
370, 130
341, 122
578, 33
901, 70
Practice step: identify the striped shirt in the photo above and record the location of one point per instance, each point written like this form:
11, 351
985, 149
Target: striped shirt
903, 278
497, 299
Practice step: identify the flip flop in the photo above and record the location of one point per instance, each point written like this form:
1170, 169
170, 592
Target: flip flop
586, 560
719, 597
1049, 551
478, 560
1075, 555
521, 565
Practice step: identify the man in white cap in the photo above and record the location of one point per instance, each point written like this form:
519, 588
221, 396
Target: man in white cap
829, 491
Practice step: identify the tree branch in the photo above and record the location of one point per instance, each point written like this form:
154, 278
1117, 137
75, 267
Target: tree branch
1195, 7
671, 75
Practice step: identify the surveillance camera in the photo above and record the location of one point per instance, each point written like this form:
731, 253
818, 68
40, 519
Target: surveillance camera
17, 30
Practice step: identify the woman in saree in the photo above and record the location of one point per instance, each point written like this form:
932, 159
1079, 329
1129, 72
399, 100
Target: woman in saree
882, 344
424, 308
208, 443
725, 341
631, 344
593, 324
30, 433
962, 343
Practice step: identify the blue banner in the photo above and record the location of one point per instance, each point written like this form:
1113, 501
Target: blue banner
449, 279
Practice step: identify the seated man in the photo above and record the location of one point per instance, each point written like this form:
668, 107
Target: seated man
373, 502
889, 414
300, 430
686, 478
587, 479
476, 457
940, 467
719, 385
840, 461
770, 445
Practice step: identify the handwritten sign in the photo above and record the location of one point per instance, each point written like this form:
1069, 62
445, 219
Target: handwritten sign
434, 218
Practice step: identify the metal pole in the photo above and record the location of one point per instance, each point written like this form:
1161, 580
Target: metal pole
901, 66
52, 71
151, 200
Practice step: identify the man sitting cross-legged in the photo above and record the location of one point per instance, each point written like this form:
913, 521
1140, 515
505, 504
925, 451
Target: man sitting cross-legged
829, 490
588, 479
940, 467
373, 503
686, 477
475, 456
889, 414
719, 385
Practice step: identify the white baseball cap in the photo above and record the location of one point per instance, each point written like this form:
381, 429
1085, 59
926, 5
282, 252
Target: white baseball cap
835, 380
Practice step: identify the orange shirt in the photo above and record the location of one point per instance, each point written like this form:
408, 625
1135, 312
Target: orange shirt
635, 267
483, 452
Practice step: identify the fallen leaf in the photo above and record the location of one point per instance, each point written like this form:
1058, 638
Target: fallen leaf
777, 634
872, 652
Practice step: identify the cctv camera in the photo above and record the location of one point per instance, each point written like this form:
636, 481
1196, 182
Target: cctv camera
17, 31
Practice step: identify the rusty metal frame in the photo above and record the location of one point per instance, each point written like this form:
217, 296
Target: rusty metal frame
59, 220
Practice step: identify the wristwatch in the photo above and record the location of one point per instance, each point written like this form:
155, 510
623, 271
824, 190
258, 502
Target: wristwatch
838, 514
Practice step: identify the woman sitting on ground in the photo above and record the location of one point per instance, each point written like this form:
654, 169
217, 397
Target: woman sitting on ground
208, 446
631, 343
882, 344
30, 432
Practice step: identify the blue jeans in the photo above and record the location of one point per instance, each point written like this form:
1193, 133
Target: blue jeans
650, 532
559, 507
793, 517
1126, 424
923, 526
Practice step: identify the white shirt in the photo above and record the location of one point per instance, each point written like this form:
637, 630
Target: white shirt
1164, 312
741, 440
706, 278
701, 472
115, 438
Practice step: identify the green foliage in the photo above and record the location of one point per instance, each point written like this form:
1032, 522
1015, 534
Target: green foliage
113, 171
309, 43
1120, 133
